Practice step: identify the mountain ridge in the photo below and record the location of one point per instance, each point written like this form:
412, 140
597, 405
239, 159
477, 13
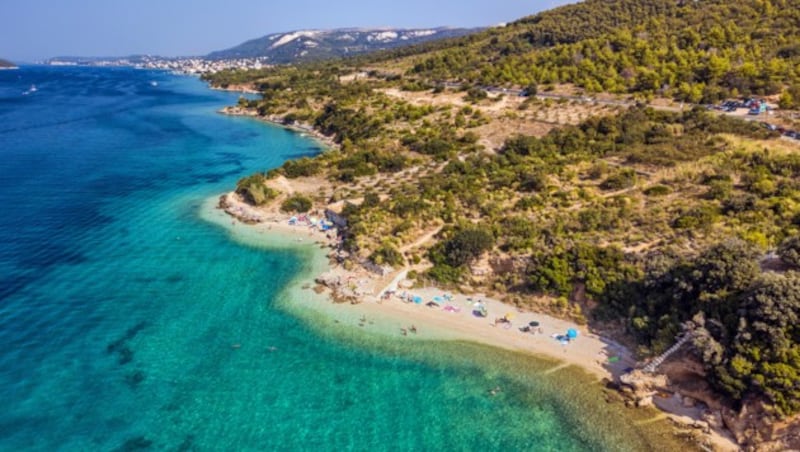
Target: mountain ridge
319, 44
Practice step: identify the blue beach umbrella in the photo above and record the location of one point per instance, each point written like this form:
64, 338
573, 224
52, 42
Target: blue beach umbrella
572, 333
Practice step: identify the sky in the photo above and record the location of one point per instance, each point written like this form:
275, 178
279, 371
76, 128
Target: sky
37, 29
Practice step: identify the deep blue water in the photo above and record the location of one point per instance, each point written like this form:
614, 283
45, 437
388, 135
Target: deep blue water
119, 306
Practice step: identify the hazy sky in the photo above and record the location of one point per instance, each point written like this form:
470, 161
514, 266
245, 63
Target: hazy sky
37, 29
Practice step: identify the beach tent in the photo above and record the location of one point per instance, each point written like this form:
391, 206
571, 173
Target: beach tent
572, 333
417, 299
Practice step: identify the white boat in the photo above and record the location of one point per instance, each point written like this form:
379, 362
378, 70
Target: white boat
33, 89
153, 83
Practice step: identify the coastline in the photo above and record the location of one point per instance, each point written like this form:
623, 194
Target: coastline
307, 130
355, 298
246, 89
357, 302
360, 293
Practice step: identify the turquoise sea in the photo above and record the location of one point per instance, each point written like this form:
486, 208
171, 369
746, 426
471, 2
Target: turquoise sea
127, 322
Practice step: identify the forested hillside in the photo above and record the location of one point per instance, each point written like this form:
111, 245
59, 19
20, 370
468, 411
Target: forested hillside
656, 221
698, 51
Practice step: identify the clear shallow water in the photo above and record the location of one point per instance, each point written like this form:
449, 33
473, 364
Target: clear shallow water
127, 322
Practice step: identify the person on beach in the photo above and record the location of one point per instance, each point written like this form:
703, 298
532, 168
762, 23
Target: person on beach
404, 332
413, 329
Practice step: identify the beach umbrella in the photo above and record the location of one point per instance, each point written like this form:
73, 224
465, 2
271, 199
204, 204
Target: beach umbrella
572, 333
509, 315
533, 323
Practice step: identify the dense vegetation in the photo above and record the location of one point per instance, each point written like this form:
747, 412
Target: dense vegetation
698, 51
296, 203
745, 322
657, 221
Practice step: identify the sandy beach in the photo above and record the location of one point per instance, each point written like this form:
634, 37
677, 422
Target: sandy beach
438, 315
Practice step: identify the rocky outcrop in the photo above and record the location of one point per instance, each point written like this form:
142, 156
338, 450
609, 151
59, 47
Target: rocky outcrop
696, 407
756, 429
639, 387
236, 110
342, 290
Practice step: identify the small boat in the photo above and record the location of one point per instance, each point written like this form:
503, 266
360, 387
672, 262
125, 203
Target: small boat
154, 83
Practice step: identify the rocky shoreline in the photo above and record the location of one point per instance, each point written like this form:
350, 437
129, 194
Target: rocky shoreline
325, 141
691, 417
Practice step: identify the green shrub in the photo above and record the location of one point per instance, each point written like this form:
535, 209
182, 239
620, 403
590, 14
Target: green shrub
657, 190
254, 190
475, 95
696, 217
387, 255
625, 178
303, 167
719, 189
789, 251
740, 203
463, 247
296, 203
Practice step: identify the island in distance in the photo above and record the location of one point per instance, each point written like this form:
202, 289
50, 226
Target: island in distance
5, 64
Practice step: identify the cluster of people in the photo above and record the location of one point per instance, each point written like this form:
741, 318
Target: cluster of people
404, 331
530, 329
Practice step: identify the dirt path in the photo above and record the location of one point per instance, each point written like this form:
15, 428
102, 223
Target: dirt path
425, 238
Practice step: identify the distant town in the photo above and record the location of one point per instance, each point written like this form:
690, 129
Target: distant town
180, 65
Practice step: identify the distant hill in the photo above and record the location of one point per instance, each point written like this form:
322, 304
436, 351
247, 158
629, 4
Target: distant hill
5, 64
308, 45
